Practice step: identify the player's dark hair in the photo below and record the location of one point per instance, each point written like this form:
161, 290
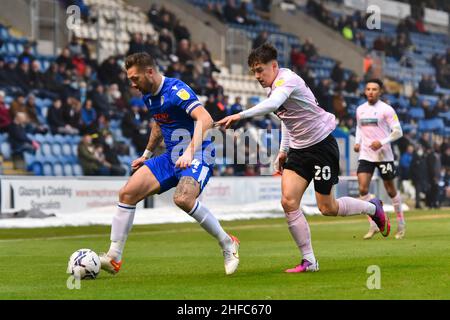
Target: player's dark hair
377, 81
262, 54
139, 59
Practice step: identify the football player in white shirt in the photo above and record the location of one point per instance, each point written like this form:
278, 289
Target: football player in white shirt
308, 152
377, 125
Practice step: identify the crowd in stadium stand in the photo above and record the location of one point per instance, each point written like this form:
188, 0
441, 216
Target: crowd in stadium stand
87, 96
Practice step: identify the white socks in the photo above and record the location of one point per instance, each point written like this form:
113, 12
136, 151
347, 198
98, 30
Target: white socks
121, 226
210, 223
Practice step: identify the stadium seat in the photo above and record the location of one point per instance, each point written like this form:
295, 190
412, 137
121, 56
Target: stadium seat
58, 169
5, 150
68, 169
37, 168
56, 149
77, 170
46, 149
47, 169
417, 113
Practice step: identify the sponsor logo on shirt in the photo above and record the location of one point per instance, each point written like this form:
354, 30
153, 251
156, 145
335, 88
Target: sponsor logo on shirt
183, 94
279, 83
163, 118
369, 122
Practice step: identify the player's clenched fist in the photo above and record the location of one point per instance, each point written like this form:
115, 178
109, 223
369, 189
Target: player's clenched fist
137, 163
356, 147
279, 162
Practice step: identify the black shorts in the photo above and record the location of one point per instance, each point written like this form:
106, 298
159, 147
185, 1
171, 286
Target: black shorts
386, 169
320, 161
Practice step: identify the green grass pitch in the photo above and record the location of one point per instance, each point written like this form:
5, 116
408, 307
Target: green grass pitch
181, 261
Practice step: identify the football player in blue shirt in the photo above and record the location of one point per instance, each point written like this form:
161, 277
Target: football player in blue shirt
187, 164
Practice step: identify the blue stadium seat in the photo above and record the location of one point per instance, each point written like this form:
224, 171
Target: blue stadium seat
47, 169
66, 150
46, 149
417, 113
68, 169
77, 170
56, 149
37, 168
5, 150
58, 169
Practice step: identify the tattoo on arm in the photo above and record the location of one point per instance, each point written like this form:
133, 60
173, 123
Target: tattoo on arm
155, 137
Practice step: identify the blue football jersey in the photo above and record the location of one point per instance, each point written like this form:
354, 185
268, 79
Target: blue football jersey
171, 108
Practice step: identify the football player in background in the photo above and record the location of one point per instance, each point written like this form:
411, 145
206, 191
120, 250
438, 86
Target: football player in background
377, 125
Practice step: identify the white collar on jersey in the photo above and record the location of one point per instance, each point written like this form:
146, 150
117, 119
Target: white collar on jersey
160, 87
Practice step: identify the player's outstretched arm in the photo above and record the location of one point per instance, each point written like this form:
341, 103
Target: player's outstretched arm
153, 141
203, 122
271, 104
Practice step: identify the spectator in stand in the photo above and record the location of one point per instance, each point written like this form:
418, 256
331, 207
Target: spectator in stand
215, 108
23, 76
72, 114
405, 163
379, 44
26, 56
337, 74
427, 85
216, 10
34, 125
5, 118
298, 58
18, 138
65, 59
236, 107
360, 39
433, 161
136, 128
56, 121
77, 46
309, 49
323, 94
430, 112
136, 43
109, 71
352, 84
184, 52
89, 117
91, 161
230, 12
116, 102
100, 101
165, 37
180, 32
18, 105
419, 174
443, 73
262, 38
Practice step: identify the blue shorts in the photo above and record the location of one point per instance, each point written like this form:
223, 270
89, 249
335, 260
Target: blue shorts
168, 175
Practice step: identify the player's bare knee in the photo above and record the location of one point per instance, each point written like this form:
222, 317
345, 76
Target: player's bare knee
327, 209
184, 201
127, 196
289, 204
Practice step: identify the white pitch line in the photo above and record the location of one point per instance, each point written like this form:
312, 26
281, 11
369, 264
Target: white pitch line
244, 227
